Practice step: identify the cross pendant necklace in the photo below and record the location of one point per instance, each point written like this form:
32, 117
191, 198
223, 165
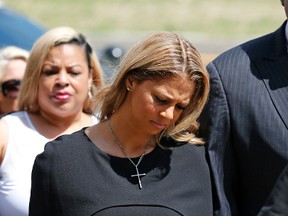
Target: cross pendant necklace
138, 175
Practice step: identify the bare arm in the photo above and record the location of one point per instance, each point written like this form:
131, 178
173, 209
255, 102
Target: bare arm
3, 139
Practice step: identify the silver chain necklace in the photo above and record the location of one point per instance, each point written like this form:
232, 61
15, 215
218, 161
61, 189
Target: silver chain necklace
138, 175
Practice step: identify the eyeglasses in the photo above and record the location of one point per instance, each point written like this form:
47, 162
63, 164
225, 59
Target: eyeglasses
10, 88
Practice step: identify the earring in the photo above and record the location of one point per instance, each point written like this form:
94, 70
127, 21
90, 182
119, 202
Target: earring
128, 88
90, 94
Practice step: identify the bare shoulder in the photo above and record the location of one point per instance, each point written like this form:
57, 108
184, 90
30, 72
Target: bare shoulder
3, 138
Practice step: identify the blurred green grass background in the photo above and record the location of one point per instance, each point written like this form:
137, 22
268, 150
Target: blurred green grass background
207, 19
212, 17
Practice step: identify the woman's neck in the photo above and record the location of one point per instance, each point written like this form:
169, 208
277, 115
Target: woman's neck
124, 134
53, 126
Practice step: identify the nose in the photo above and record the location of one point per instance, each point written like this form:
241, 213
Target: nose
168, 113
62, 78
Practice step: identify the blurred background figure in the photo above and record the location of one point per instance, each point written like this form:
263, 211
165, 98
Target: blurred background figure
62, 75
13, 61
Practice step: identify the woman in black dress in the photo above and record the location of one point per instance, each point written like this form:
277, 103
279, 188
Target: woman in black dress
143, 158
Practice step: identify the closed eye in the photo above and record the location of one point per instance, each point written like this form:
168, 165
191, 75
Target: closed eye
180, 107
74, 73
163, 101
160, 100
50, 72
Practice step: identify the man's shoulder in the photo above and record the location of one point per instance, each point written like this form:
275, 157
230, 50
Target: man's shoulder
256, 46
246, 47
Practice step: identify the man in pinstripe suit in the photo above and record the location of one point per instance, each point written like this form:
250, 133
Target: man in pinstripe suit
245, 122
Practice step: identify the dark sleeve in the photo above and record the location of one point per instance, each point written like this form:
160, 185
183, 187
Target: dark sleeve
215, 128
277, 202
42, 202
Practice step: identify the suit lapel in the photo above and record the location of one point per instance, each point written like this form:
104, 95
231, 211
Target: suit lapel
275, 76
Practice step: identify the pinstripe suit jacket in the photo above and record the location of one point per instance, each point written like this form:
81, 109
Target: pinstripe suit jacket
277, 203
245, 123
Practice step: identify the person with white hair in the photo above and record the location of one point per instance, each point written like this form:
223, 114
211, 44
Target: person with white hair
13, 61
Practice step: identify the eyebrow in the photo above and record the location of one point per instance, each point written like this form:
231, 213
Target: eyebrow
169, 97
56, 65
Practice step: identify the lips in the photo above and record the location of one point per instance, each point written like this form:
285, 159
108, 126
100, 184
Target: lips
62, 96
159, 125
13, 94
